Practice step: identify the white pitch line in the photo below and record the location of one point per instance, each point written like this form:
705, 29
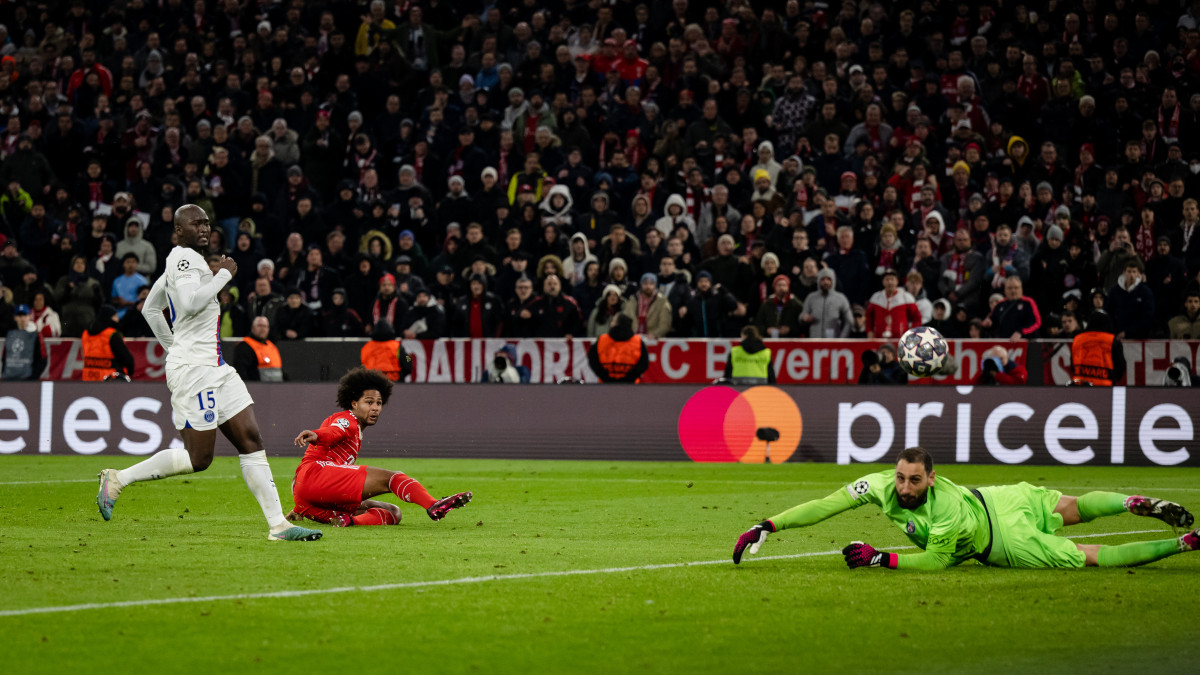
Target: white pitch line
445, 582
190, 477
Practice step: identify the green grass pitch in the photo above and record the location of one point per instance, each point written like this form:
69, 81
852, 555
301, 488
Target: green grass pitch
203, 536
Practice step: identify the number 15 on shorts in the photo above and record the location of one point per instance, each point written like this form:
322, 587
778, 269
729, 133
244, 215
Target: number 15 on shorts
208, 403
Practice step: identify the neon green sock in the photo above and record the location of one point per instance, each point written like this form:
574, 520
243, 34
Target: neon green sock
1136, 553
1094, 505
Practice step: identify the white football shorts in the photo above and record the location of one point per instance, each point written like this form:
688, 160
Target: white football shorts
205, 397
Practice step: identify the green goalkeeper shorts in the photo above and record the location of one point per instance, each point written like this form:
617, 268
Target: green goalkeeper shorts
1023, 527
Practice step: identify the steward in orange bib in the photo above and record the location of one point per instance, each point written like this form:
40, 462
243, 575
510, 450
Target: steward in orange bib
1097, 357
383, 352
104, 350
619, 355
256, 358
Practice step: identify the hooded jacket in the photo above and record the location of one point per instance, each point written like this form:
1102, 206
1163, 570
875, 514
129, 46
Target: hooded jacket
667, 224
595, 224
136, 244
575, 271
771, 166
561, 216
830, 310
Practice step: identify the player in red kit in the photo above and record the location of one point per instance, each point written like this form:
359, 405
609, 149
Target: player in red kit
330, 488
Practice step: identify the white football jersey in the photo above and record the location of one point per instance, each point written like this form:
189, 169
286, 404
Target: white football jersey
197, 339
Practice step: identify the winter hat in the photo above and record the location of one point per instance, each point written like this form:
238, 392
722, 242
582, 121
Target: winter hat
785, 278
1062, 211
1045, 185
617, 262
489, 170
1054, 232
770, 256
827, 273
611, 288
761, 174
387, 277
962, 165
704, 274
651, 277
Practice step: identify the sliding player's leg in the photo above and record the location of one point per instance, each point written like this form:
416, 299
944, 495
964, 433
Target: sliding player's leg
195, 456
1092, 505
373, 512
242, 431
381, 481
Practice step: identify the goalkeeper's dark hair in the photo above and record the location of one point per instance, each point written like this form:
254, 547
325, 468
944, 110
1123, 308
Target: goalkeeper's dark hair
354, 383
916, 455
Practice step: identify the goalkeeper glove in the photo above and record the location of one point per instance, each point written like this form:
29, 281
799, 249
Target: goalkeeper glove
858, 554
754, 537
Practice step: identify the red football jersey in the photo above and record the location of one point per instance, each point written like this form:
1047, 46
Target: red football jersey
338, 440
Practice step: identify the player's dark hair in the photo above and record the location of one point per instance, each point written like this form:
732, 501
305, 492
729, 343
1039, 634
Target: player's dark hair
915, 455
354, 383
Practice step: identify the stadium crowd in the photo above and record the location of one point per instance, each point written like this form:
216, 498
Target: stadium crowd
534, 168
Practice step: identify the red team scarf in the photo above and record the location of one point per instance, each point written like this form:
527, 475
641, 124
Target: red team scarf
1169, 128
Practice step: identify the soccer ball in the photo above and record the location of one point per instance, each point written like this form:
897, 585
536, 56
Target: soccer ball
923, 351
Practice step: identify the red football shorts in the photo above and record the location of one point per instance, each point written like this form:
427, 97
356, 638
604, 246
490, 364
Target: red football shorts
323, 490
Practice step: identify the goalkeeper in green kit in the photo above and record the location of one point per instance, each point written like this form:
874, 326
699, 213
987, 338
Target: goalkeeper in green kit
1004, 526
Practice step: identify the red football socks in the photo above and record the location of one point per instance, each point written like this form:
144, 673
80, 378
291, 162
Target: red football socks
410, 490
375, 516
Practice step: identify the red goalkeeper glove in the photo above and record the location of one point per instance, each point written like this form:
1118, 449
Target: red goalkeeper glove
858, 554
754, 537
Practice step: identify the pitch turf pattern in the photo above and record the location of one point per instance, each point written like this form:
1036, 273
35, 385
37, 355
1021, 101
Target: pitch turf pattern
203, 536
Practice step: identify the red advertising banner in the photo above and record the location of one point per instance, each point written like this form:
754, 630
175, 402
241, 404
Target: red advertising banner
1146, 361
681, 361
66, 359
678, 361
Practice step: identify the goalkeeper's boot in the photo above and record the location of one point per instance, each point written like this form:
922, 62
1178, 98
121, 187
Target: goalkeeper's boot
1169, 512
110, 489
295, 533
444, 505
1190, 541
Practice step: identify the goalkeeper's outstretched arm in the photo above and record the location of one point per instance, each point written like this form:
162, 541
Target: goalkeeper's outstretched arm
808, 513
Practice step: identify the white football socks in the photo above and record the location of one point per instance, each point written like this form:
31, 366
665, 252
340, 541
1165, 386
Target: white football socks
169, 462
257, 473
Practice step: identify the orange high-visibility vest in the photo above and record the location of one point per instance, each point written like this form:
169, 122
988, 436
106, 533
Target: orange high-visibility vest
382, 356
97, 356
1091, 359
618, 357
270, 364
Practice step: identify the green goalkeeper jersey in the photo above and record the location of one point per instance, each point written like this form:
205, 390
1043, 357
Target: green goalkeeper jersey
950, 526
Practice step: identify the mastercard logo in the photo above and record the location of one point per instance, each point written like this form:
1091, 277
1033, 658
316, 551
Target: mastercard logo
720, 424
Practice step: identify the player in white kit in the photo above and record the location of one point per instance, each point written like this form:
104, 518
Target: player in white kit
206, 392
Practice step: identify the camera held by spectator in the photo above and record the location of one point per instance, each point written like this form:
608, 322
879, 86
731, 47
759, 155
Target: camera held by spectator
998, 368
1179, 373
503, 369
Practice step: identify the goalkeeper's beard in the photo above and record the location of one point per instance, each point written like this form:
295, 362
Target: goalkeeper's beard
911, 502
